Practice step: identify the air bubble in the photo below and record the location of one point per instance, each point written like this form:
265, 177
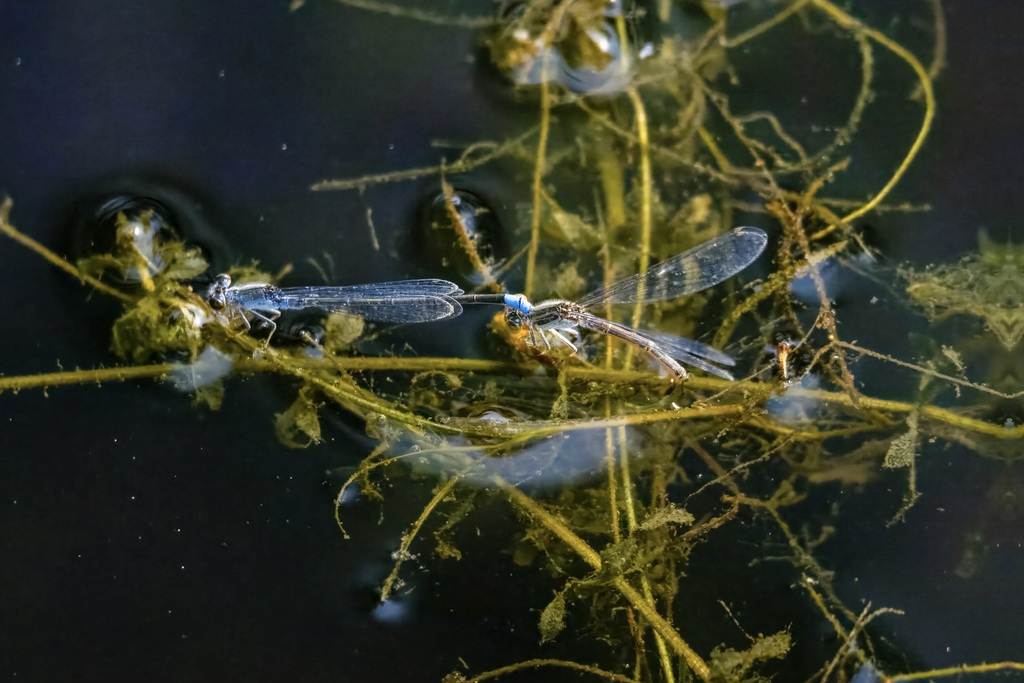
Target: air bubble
126, 239
461, 231
584, 53
133, 229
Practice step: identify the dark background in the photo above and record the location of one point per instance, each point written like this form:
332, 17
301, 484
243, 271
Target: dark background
144, 538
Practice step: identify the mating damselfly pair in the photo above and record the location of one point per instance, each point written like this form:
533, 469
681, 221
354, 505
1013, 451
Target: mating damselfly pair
410, 301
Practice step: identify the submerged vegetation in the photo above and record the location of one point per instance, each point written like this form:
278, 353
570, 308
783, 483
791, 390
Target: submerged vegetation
644, 146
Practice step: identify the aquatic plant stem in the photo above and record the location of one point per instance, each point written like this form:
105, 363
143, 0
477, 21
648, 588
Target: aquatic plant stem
465, 240
646, 183
538, 177
622, 452
941, 41
592, 558
956, 672
305, 369
629, 504
769, 23
553, 524
403, 551
556, 663
97, 376
645, 201
661, 626
640, 113
631, 525
23, 239
664, 153
471, 158
848, 22
627, 480
613, 479
365, 465
776, 282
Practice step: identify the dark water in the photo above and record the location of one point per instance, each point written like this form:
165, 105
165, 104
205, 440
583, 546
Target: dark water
144, 538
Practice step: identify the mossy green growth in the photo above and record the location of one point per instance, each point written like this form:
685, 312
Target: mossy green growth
734, 666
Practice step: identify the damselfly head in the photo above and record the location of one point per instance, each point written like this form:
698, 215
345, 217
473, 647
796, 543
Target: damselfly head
216, 295
514, 318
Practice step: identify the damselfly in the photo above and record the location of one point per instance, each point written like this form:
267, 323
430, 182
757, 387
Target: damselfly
703, 266
405, 301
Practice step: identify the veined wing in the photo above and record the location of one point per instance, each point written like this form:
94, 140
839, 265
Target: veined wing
703, 266
692, 352
405, 301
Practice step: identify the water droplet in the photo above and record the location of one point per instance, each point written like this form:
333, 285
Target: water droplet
585, 55
608, 69
460, 230
133, 231
132, 228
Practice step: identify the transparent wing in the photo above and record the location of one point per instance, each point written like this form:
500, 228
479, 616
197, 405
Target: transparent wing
406, 301
699, 268
692, 352
429, 286
659, 343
